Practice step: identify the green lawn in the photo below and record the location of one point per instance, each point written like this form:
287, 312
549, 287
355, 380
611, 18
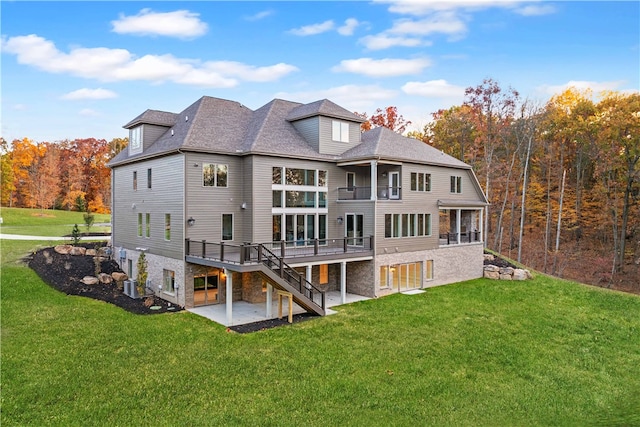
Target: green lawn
47, 222
479, 353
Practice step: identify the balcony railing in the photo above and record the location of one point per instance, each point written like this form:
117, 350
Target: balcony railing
364, 193
452, 238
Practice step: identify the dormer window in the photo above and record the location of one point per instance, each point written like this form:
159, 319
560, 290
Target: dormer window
135, 140
339, 131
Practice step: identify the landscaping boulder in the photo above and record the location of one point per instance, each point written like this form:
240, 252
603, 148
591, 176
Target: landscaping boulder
77, 250
119, 276
63, 249
105, 278
91, 252
519, 274
489, 257
90, 280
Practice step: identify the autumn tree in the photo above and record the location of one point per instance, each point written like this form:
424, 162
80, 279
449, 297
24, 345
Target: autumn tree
388, 118
7, 177
493, 109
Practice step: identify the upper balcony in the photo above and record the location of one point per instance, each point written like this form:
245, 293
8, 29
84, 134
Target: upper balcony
364, 193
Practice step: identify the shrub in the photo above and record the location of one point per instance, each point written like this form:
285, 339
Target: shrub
142, 273
75, 234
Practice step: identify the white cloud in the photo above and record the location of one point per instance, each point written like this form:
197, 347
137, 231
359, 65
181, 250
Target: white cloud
120, 65
535, 9
349, 27
87, 112
351, 97
258, 16
85, 93
180, 24
385, 41
382, 67
434, 89
310, 30
443, 23
595, 87
421, 7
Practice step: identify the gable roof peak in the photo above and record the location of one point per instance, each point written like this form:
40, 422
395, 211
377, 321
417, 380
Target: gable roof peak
322, 107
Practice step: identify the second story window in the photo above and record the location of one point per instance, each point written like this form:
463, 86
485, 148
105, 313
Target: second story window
339, 131
456, 184
167, 226
149, 178
135, 180
214, 175
420, 181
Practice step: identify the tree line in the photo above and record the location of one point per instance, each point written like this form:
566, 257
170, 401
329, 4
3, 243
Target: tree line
562, 178
67, 175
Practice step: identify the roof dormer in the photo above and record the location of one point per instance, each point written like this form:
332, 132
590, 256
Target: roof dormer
327, 127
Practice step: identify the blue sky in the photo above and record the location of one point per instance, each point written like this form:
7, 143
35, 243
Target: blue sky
83, 69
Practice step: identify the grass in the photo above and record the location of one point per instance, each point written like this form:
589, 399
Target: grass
481, 353
47, 222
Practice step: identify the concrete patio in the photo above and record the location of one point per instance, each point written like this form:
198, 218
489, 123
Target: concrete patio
244, 312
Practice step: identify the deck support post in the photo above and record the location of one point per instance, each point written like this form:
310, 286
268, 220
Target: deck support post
229, 295
343, 282
269, 301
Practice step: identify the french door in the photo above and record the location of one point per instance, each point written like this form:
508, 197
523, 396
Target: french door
355, 229
394, 185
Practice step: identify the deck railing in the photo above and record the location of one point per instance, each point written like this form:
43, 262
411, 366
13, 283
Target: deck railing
241, 253
364, 193
452, 238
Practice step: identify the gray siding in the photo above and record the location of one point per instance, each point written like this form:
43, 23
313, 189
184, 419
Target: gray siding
421, 202
328, 146
309, 128
207, 204
151, 133
165, 197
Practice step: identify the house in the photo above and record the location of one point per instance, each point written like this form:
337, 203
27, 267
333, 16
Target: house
230, 204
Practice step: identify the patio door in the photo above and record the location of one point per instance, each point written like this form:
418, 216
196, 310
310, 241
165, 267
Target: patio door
355, 229
394, 185
205, 288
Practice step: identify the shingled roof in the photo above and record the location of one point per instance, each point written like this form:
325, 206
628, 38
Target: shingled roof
382, 142
223, 126
153, 117
323, 107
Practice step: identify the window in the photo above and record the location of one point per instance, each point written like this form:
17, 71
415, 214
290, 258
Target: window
300, 199
456, 184
227, 227
420, 181
167, 226
407, 225
277, 198
401, 277
214, 175
140, 224
339, 131
301, 177
277, 228
169, 281
149, 178
135, 140
148, 224
135, 180
324, 274
322, 178
428, 269
276, 175
351, 181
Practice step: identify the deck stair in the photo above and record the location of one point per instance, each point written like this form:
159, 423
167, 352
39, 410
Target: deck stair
286, 278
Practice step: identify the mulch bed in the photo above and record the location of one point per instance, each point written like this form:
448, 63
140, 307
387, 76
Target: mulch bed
271, 323
65, 272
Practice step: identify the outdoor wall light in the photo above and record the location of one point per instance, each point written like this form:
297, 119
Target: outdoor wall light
340, 220
191, 221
